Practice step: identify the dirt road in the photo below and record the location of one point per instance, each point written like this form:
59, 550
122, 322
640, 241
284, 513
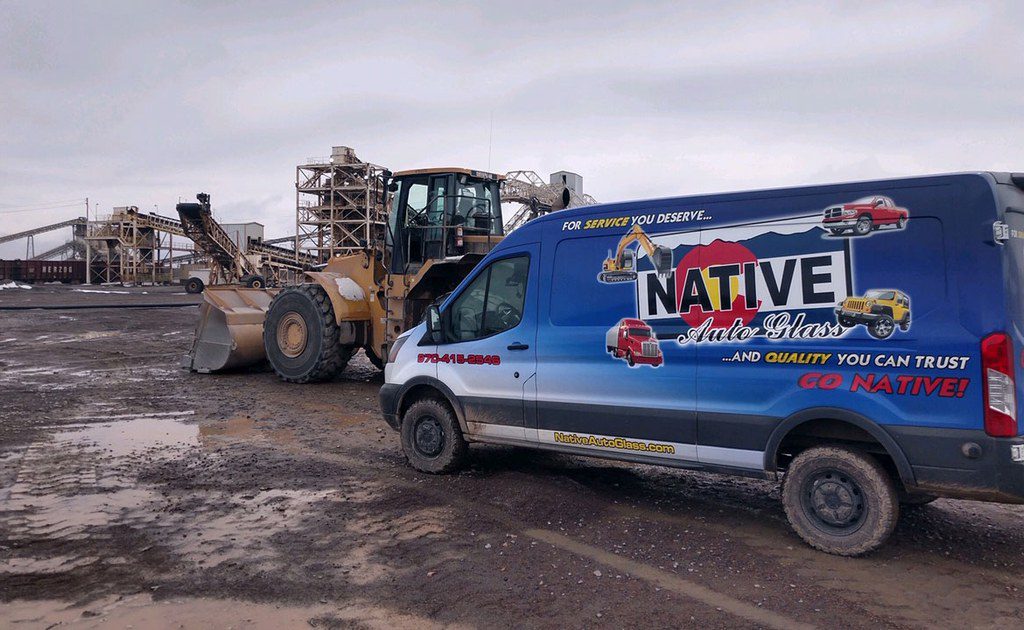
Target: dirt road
135, 493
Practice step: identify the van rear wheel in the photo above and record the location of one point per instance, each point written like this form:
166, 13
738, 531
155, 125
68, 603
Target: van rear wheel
431, 438
840, 500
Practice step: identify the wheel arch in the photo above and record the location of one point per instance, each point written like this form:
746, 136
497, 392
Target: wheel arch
822, 417
347, 296
420, 386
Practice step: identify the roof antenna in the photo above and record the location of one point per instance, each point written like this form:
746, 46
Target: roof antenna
490, 137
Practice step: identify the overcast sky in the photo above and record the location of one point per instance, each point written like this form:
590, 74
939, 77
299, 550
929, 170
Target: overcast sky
143, 103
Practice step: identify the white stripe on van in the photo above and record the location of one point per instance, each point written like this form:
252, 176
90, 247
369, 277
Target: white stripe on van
734, 457
595, 443
485, 429
609, 443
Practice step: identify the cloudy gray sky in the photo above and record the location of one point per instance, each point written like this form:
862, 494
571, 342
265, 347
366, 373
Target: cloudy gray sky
143, 103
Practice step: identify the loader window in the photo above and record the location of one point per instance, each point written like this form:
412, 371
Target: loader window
478, 207
492, 303
416, 204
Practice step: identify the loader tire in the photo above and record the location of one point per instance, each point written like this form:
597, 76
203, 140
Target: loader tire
300, 336
376, 361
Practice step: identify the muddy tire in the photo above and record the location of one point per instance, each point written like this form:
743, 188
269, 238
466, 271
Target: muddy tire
863, 226
882, 328
300, 336
840, 500
431, 438
193, 286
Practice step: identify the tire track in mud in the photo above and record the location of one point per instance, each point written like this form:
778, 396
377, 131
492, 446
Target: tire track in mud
933, 586
412, 526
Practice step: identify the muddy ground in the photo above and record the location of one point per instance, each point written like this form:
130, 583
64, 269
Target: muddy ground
133, 493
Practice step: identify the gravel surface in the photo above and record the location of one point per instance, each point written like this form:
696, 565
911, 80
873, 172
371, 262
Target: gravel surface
135, 493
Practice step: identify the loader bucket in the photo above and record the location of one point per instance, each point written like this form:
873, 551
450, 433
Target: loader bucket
230, 329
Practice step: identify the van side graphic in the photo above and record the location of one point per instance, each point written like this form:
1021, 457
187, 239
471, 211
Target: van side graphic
863, 216
750, 280
634, 341
881, 310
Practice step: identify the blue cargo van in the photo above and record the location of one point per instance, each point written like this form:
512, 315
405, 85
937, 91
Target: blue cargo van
858, 341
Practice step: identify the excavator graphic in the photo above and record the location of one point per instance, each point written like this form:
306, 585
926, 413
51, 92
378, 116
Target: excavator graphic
622, 266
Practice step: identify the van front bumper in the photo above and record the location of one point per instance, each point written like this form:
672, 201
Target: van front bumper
388, 397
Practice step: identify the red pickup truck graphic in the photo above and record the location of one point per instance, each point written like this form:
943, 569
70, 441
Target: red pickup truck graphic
634, 341
864, 215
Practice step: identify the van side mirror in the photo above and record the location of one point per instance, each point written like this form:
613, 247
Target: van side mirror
434, 326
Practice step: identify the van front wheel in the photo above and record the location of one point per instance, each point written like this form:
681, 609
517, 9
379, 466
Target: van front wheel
431, 438
840, 500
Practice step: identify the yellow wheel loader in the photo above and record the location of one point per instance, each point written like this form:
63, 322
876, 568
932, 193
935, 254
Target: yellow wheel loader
441, 222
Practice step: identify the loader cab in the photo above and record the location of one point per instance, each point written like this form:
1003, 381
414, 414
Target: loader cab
440, 213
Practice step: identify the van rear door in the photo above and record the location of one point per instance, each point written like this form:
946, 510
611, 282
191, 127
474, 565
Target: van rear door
1013, 270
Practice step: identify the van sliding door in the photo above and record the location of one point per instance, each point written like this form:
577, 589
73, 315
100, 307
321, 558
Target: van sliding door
611, 380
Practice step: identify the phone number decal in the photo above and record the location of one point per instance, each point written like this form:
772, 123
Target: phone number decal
460, 359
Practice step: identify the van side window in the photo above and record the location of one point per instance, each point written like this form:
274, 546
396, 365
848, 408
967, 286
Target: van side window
492, 303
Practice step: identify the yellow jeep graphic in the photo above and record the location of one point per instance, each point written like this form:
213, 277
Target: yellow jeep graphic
881, 310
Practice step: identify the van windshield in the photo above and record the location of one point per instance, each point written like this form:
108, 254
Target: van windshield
876, 294
643, 333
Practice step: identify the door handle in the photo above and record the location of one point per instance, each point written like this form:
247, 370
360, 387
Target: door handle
518, 346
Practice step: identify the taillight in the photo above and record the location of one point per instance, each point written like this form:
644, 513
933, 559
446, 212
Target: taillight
1000, 390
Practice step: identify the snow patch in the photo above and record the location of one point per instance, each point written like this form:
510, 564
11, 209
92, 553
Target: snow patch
13, 285
98, 291
349, 289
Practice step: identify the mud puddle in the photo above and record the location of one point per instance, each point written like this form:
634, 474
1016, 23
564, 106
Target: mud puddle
141, 611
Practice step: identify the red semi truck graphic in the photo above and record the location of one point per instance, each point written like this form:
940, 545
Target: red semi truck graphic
864, 215
634, 341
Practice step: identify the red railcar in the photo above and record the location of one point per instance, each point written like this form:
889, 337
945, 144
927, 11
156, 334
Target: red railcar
43, 270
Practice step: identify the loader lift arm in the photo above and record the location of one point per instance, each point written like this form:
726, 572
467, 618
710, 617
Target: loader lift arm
622, 266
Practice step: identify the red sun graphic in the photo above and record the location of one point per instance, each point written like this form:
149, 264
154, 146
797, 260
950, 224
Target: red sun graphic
704, 256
